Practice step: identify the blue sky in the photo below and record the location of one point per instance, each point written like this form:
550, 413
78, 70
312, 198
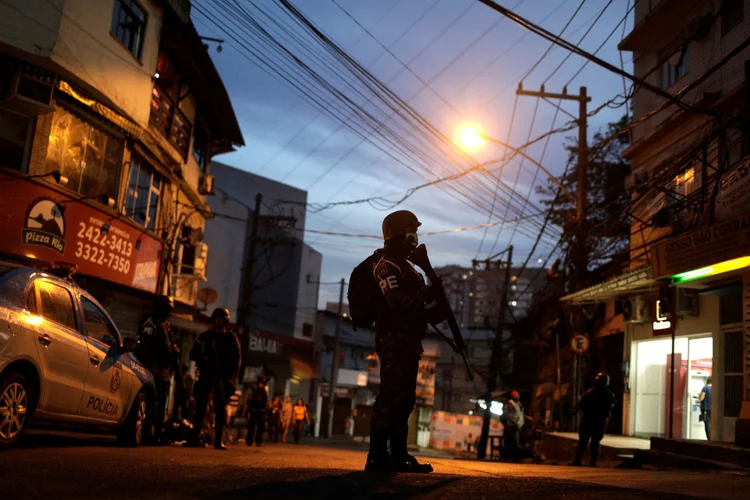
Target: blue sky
450, 45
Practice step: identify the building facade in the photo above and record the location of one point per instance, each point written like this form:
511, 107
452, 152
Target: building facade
279, 301
109, 114
682, 298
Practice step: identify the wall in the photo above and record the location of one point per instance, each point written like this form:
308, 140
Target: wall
86, 48
706, 322
31, 25
307, 296
278, 266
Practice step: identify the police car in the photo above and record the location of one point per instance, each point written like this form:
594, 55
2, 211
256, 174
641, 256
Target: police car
63, 362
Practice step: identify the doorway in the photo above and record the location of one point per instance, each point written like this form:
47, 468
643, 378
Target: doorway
700, 364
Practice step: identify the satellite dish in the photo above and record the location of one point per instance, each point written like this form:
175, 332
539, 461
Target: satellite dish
207, 295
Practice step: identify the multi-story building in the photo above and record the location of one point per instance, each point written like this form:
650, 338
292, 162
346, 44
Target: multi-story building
475, 294
280, 300
682, 299
110, 111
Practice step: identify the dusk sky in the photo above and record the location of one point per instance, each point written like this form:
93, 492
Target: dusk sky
471, 58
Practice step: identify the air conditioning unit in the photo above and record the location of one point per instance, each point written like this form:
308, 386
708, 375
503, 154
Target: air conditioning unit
26, 95
201, 261
206, 185
636, 310
687, 302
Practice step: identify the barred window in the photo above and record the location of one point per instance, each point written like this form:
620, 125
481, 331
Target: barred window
129, 25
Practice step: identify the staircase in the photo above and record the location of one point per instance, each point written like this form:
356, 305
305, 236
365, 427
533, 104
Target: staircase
689, 454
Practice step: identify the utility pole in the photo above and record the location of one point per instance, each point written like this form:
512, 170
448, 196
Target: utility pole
335, 360
246, 288
494, 367
579, 247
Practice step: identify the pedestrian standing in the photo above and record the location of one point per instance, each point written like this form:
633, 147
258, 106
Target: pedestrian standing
158, 352
301, 418
217, 354
256, 412
596, 405
274, 420
286, 417
396, 296
705, 399
514, 420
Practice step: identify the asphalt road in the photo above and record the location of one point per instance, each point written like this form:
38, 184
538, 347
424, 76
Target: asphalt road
60, 467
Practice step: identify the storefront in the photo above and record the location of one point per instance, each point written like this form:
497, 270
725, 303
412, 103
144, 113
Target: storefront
116, 261
286, 361
712, 264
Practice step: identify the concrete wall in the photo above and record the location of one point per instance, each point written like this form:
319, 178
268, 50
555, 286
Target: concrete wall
31, 25
278, 265
86, 48
307, 295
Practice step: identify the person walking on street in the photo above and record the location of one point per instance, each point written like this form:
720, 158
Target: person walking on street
514, 420
286, 417
596, 404
158, 352
256, 412
705, 399
301, 418
217, 355
397, 296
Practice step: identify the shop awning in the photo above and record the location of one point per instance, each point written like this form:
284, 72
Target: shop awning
631, 282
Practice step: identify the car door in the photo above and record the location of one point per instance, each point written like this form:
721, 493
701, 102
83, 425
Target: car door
62, 349
108, 380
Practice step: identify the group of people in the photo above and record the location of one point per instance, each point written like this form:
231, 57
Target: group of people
277, 415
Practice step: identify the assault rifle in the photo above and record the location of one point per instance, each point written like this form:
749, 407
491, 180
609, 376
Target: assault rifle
419, 257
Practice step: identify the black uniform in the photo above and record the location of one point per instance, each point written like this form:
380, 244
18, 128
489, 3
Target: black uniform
596, 405
217, 356
400, 327
158, 352
256, 414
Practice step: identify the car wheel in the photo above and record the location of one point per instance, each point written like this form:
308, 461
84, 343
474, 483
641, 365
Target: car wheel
132, 431
15, 402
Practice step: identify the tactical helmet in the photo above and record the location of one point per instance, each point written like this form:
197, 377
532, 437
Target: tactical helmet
163, 305
602, 379
220, 312
399, 223
515, 395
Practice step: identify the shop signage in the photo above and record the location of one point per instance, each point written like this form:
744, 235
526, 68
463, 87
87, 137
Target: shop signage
579, 343
426, 381
662, 321
734, 192
351, 378
746, 336
39, 223
698, 249
260, 344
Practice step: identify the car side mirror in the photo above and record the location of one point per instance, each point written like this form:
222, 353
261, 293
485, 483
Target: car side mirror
129, 344
110, 340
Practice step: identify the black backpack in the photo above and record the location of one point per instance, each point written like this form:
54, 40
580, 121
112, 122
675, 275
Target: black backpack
363, 296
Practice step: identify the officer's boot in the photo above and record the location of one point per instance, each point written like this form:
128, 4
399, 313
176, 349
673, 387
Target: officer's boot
378, 459
401, 461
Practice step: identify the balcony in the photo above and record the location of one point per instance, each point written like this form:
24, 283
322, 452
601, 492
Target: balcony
659, 22
170, 121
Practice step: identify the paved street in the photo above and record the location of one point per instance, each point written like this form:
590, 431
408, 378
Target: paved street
60, 467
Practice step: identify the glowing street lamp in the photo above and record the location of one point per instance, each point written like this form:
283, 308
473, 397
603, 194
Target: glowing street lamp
470, 137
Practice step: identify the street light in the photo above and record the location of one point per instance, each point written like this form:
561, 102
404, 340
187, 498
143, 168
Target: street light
470, 137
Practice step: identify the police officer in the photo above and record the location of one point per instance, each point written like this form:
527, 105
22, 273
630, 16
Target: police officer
158, 352
216, 353
400, 327
596, 405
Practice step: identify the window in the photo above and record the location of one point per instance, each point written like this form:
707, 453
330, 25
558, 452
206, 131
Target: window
97, 325
675, 67
186, 263
87, 155
31, 300
57, 304
307, 330
144, 191
15, 137
129, 25
732, 14
168, 118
